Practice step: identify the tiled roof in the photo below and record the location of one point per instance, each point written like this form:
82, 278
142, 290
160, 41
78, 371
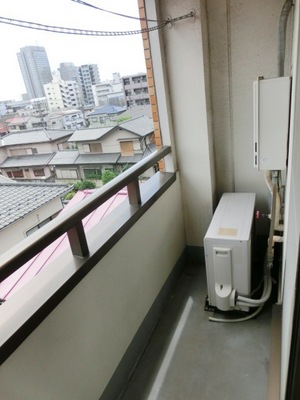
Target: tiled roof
66, 157
107, 110
34, 136
60, 113
130, 159
103, 158
27, 161
59, 133
18, 120
20, 199
138, 110
83, 135
141, 126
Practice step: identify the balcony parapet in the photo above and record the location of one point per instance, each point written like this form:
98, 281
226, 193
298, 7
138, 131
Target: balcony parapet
20, 319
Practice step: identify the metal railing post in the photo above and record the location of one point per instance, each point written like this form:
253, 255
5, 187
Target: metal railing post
134, 193
77, 239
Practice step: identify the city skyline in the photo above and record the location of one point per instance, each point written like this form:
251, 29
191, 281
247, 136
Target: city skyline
123, 54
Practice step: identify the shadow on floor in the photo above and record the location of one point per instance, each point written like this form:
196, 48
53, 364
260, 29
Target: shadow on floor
191, 358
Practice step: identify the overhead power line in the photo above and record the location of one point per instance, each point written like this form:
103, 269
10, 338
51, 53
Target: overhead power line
84, 3
89, 32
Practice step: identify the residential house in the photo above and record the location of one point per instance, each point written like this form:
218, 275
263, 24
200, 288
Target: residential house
24, 115
13, 107
26, 154
26, 207
28, 167
90, 315
71, 165
98, 149
129, 137
137, 111
17, 123
65, 119
37, 122
22, 123
105, 116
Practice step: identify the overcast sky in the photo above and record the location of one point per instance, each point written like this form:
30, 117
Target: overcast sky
112, 54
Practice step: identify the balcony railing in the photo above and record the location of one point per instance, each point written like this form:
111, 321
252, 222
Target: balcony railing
140, 198
71, 221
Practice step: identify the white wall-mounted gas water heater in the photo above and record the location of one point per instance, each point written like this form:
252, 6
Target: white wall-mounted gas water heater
271, 110
228, 247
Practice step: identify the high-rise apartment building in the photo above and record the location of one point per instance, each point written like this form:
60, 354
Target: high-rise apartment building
35, 69
62, 94
89, 76
136, 89
69, 72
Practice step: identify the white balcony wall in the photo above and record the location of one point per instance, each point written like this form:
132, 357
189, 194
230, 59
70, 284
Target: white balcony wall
205, 69
75, 351
243, 40
292, 211
180, 56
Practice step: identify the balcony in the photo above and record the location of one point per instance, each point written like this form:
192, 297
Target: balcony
78, 328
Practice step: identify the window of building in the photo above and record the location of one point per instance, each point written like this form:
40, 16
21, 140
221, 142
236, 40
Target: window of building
38, 226
39, 172
96, 147
127, 148
92, 173
66, 174
19, 152
17, 173
86, 148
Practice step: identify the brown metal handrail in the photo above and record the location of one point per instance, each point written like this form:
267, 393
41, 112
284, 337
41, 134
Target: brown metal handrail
71, 220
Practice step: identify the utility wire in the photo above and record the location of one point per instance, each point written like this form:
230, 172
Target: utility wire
88, 32
75, 31
84, 3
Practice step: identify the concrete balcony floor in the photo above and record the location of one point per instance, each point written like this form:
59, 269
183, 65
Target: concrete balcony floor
191, 358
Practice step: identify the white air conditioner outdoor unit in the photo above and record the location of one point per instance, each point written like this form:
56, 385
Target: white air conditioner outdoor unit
228, 251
